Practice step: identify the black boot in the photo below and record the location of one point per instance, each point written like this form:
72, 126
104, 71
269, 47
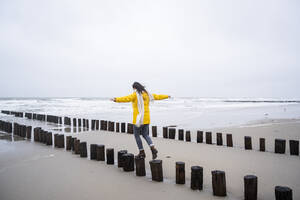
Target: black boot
154, 152
141, 154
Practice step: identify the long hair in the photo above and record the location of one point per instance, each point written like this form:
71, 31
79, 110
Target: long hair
139, 87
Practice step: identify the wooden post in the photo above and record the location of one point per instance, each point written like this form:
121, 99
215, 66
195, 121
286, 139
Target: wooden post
229, 140
93, 126
2, 125
283, 193
50, 141
15, 128
41, 133
110, 160
44, 137
248, 143
109, 126
121, 158
156, 170
83, 149
83, 123
117, 127
101, 125
140, 166
112, 127
73, 143
180, 173
208, 138
165, 132
74, 122
219, 139
105, 125
49, 138
294, 147
87, 124
76, 146
154, 131
219, 183
129, 128
9, 127
262, 144
93, 151
123, 127
23, 131
199, 136
187, 136
68, 143
196, 178
19, 130
61, 141
181, 134
172, 132
250, 187
66, 121
128, 164
55, 140
97, 124
28, 132
279, 146
101, 152
48, 118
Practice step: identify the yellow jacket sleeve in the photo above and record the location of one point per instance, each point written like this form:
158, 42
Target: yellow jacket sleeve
128, 98
160, 96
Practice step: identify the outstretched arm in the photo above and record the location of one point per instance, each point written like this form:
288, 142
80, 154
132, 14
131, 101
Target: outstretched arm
160, 96
124, 99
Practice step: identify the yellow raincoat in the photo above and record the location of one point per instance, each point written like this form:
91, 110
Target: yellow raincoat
133, 98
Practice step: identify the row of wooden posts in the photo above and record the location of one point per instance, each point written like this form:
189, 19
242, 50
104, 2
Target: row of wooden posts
168, 132
129, 163
16, 114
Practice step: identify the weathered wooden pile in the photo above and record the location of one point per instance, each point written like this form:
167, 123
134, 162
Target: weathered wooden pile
5, 126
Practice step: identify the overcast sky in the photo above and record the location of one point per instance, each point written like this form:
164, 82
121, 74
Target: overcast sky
209, 48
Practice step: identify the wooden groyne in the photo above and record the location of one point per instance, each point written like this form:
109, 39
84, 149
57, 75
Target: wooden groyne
129, 163
171, 133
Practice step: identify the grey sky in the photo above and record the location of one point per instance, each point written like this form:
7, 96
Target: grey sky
183, 48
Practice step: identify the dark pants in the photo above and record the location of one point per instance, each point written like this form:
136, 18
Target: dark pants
144, 131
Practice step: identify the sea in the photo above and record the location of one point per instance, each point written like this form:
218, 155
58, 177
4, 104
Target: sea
181, 112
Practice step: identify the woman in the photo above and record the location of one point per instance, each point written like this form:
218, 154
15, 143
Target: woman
140, 99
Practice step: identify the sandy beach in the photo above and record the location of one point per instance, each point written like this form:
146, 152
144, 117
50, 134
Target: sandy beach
31, 170
216, 81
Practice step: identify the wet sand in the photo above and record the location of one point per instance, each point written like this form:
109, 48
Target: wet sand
34, 171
